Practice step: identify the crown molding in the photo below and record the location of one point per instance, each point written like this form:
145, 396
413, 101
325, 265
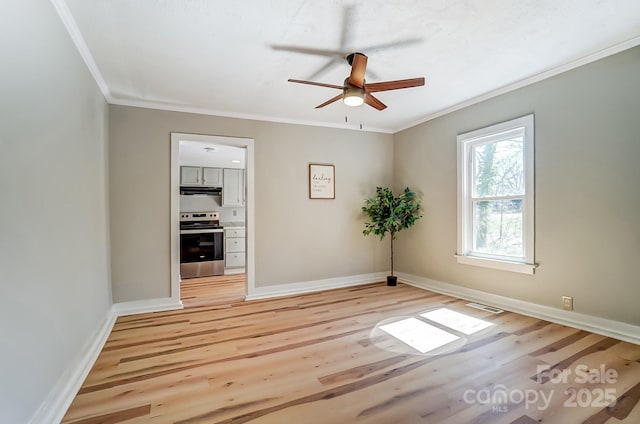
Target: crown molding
601, 54
264, 118
74, 32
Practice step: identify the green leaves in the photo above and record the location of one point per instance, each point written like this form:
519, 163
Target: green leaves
391, 214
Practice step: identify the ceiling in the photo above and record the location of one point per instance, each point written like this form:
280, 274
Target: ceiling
217, 155
233, 58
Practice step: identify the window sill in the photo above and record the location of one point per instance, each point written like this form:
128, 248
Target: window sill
496, 264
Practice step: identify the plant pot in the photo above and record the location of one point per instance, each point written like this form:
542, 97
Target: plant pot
392, 280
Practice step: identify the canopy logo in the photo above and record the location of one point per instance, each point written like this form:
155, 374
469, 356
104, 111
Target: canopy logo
500, 398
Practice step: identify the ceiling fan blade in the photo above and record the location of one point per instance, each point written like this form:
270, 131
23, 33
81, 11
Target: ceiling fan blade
308, 50
374, 102
358, 69
324, 68
331, 100
321, 84
394, 85
371, 73
347, 26
335, 56
399, 43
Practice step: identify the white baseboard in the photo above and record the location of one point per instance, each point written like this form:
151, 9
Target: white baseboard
232, 271
54, 407
314, 285
62, 394
57, 402
616, 329
150, 305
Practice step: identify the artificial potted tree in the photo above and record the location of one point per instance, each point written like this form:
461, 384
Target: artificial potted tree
391, 214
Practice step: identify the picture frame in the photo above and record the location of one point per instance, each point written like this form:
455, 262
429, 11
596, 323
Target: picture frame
322, 181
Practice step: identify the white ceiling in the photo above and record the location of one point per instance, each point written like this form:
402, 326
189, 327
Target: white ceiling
217, 155
227, 57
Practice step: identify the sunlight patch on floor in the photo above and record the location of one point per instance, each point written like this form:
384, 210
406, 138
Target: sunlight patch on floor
418, 334
457, 321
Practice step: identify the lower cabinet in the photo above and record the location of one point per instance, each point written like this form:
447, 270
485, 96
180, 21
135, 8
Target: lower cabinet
234, 260
234, 244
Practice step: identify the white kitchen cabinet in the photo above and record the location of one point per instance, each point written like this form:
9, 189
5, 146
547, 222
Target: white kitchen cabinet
212, 177
190, 175
235, 247
234, 260
233, 187
235, 233
200, 176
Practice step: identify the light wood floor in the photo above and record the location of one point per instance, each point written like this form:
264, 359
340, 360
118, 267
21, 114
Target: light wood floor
214, 290
319, 358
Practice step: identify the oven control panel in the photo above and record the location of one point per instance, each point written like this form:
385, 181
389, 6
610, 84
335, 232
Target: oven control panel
199, 216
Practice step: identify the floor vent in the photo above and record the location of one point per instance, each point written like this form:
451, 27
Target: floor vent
485, 308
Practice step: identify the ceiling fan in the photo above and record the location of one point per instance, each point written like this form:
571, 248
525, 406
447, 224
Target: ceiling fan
347, 45
356, 91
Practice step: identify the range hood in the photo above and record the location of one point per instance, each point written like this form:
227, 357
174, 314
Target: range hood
207, 191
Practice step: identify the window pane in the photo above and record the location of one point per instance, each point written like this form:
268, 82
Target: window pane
497, 227
498, 168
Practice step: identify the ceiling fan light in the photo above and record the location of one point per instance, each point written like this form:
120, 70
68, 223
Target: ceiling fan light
353, 96
353, 100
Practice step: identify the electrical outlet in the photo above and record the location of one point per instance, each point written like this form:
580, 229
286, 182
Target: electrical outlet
235, 212
567, 303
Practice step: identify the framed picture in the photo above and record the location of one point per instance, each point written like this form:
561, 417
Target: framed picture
322, 181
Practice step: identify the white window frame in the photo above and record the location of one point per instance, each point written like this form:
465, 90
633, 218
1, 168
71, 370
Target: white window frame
466, 141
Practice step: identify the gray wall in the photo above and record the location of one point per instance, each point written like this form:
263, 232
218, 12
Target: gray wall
297, 239
212, 203
54, 271
587, 164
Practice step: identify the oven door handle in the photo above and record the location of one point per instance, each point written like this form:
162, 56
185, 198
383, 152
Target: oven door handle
207, 231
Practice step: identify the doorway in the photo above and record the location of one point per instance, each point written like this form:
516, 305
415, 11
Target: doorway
225, 156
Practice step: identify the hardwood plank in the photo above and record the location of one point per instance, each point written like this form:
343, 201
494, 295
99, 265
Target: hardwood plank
625, 403
564, 364
524, 419
117, 417
574, 401
219, 289
318, 358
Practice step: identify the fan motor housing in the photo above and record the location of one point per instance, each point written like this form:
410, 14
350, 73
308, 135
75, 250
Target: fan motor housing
350, 57
352, 95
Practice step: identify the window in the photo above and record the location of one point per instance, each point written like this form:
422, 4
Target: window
495, 196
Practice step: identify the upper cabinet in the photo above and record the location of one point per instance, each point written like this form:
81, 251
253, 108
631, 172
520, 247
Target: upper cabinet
233, 187
231, 181
212, 177
190, 175
197, 176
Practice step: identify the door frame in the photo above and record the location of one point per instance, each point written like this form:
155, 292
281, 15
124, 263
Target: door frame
247, 144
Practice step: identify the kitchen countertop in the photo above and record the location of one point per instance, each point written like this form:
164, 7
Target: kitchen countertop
233, 224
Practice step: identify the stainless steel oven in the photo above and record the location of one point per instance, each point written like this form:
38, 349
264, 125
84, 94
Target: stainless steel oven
201, 244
